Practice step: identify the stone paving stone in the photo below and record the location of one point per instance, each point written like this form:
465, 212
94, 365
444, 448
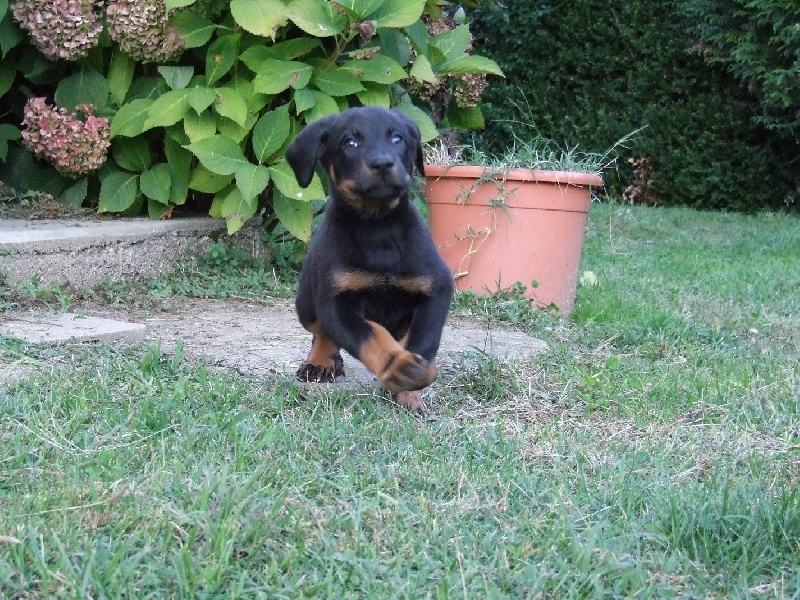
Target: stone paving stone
38, 328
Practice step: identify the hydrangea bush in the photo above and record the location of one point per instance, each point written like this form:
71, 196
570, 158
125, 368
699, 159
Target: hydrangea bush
160, 102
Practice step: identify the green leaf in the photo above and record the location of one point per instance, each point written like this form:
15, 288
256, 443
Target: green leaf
168, 109
132, 155
375, 94
419, 37
255, 55
359, 10
118, 192
316, 18
177, 78
7, 133
178, 157
149, 88
259, 17
270, 133
421, 70
303, 100
87, 86
215, 210
195, 30
395, 45
235, 131
207, 182
179, 160
427, 128
156, 183
453, 43
201, 98
198, 127
324, 105
219, 154
221, 57
10, 34
130, 118
398, 13
252, 180
379, 68
7, 75
471, 64
465, 118
275, 76
291, 49
156, 210
236, 209
337, 83
295, 215
231, 105
120, 76
283, 177
75, 194
173, 4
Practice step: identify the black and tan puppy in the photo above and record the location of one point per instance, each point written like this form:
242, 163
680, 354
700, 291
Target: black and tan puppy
373, 282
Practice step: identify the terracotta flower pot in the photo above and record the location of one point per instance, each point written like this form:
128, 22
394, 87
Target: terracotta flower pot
522, 225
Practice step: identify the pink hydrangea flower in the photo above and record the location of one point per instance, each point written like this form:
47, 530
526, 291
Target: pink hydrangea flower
72, 145
61, 29
140, 28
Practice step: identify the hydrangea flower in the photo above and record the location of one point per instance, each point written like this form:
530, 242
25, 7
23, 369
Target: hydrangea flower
61, 29
140, 28
74, 146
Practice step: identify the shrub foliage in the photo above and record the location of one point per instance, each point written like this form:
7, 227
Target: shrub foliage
159, 102
716, 91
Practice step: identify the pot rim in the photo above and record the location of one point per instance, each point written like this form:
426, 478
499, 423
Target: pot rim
520, 174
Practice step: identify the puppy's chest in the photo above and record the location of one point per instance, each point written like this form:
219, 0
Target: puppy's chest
380, 251
381, 261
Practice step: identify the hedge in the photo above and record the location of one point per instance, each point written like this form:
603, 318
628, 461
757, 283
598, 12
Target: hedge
588, 72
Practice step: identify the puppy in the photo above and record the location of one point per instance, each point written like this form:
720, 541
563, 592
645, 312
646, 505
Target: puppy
373, 281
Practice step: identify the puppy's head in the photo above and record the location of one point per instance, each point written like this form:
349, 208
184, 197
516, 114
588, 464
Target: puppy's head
369, 154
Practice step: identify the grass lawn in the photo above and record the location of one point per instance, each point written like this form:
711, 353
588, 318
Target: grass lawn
653, 452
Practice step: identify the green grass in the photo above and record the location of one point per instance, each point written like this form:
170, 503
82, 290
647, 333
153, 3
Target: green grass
653, 452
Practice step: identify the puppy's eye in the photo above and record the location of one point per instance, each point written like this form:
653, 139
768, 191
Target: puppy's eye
397, 138
351, 143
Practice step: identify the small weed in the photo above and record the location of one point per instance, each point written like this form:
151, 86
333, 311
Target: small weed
503, 306
32, 291
222, 272
485, 378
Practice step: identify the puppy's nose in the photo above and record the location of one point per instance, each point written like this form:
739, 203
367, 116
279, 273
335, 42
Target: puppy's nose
381, 163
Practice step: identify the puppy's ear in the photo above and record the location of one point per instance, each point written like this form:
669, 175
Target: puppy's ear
307, 148
415, 145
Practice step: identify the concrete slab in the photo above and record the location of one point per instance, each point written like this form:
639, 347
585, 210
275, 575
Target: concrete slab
85, 252
253, 339
64, 327
257, 340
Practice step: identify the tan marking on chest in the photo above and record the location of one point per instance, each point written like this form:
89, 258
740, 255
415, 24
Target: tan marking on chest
359, 281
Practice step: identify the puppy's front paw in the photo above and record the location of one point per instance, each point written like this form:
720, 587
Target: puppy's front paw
407, 372
323, 373
411, 401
